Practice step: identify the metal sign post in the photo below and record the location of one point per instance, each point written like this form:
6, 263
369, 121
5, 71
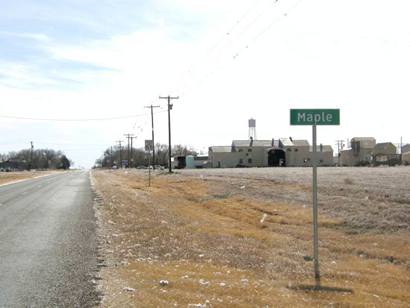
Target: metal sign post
149, 171
315, 117
314, 207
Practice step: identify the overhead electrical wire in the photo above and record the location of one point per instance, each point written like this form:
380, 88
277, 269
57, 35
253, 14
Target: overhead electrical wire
233, 35
253, 21
270, 25
199, 81
246, 45
234, 26
73, 119
226, 35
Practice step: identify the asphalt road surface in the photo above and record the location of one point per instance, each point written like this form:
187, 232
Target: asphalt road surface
48, 243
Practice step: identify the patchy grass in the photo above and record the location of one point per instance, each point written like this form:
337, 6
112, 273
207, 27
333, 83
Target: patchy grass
8, 177
236, 250
348, 181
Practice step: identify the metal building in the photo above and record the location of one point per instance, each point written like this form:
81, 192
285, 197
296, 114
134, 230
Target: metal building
360, 153
268, 153
385, 153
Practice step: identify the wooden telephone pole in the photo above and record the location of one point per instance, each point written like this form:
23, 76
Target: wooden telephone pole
152, 128
169, 98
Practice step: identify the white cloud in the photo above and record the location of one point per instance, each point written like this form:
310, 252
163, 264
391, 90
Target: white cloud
352, 55
27, 35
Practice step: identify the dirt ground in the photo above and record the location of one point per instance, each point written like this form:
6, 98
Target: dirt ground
242, 238
7, 177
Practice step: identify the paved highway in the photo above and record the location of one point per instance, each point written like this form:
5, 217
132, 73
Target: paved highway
48, 242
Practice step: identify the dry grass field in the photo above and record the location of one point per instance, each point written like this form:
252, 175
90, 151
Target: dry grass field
242, 238
8, 177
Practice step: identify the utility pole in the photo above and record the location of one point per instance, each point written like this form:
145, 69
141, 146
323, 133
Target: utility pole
112, 158
119, 144
152, 128
340, 146
31, 154
169, 98
132, 157
401, 150
129, 136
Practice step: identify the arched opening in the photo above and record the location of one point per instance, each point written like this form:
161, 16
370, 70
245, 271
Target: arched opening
276, 158
180, 162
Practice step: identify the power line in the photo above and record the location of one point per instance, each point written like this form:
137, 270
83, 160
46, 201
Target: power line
268, 27
72, 119
141, 129
234, 26
245, 46
253, 21
226, 35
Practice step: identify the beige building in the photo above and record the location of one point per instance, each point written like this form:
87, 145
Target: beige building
384, 153
405, 148
253, 153
324, 154
385, 148
242, 153
222, 157
365, 151
406, 158
360, 153
268, 153
299, 153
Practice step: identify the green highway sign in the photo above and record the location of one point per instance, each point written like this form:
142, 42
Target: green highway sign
315, 117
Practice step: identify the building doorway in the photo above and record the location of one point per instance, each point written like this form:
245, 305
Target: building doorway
276, 158
180, 162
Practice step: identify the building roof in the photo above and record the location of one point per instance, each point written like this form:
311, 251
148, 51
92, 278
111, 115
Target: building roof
262, 143
286, 142
363, 139
241, 143
300, 143
325, 148
384, 147
365, 142
255, 143
220, 149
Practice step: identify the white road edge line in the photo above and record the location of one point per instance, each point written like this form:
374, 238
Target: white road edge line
23, 180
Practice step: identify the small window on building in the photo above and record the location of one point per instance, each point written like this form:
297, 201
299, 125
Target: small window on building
289, 150
321, 161
247, 154
250, 161
240, 160
240, 150
249, 150
296, 150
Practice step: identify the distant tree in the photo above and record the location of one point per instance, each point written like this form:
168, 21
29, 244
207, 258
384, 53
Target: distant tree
183, 150
161, 154
140, 157
64, 163
38, 159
